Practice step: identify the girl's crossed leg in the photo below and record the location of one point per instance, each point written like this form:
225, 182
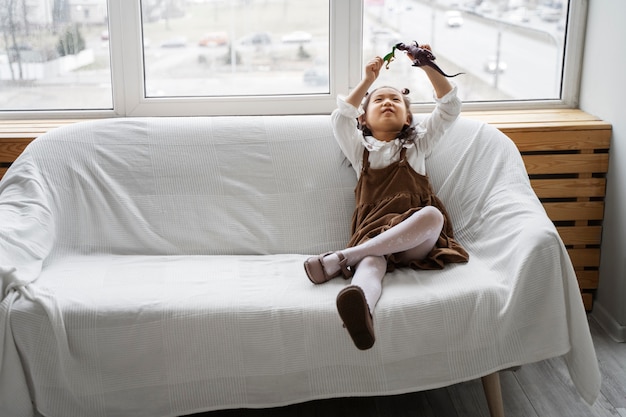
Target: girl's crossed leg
413, 238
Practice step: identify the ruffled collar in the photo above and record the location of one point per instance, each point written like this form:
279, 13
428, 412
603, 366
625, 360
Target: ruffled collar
372, 144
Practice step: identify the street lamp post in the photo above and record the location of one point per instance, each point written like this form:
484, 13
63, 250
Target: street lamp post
496, 72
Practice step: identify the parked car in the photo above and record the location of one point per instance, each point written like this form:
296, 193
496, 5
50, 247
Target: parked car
485, 9
493, 64
550, 14
175, 42
298, 36
256, 39
385, 37
213, 39
454, 18
520, 15
316, 75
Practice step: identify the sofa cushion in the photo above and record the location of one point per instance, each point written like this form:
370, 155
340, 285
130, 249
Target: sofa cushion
205, 332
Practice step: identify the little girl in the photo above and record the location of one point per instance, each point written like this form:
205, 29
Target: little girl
398, 220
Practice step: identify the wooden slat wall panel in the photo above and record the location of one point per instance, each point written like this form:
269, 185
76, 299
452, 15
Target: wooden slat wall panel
585, 258
575, 210
15, 135
566, 153
566, 163
564, 188
588, 279
580, 235
561, 140
10, 149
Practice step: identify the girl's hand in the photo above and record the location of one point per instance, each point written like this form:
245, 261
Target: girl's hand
372, 69
425, 46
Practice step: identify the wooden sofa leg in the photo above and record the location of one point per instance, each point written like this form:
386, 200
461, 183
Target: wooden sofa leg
493, 392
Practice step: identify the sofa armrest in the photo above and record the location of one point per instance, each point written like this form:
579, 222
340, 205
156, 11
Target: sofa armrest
26, 224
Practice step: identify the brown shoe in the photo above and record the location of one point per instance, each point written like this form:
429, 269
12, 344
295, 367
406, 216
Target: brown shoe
314, 268
355, 313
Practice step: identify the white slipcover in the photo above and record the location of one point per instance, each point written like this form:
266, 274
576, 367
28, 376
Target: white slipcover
153, 267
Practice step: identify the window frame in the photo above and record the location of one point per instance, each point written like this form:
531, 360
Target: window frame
345, 61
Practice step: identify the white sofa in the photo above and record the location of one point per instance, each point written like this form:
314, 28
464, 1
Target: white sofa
154, 267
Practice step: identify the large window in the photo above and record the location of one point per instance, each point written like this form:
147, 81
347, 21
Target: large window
507, 50
204, 57
54, 55
235, 48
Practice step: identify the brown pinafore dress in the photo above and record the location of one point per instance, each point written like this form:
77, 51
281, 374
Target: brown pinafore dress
389, 195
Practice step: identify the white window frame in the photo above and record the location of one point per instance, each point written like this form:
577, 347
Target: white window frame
346, 34
128, 79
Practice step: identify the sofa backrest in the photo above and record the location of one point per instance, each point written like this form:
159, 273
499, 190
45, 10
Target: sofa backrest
222, 185
239, 185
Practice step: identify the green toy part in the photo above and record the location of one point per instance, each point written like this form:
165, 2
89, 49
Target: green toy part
390, 57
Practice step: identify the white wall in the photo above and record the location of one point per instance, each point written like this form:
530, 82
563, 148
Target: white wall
603, 94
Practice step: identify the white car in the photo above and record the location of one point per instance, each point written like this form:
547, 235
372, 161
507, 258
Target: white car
550, 15
454, 18
385, 36
297, 37
520, 15
175, 42
492, 65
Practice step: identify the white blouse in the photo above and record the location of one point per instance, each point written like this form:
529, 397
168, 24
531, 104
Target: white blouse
352, 141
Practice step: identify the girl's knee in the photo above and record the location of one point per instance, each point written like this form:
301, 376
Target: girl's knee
433, 216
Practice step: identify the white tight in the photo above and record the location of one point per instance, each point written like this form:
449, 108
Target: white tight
369, 276
413, 238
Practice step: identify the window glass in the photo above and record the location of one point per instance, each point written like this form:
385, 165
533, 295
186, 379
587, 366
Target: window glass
54, 55
203, 57
506, 49
235, 47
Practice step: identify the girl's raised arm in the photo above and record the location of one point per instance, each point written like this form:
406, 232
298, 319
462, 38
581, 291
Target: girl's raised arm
372, 69
440, 83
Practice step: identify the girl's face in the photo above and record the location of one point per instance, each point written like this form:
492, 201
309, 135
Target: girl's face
386, 113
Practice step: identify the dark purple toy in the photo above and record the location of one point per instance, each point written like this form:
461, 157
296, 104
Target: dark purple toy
421, 56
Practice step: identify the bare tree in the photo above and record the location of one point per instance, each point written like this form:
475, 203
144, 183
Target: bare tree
9, 34
60, 14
